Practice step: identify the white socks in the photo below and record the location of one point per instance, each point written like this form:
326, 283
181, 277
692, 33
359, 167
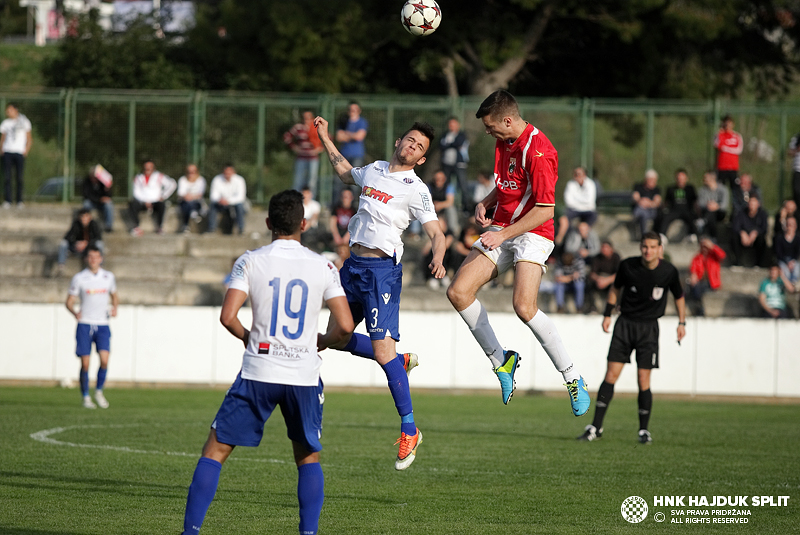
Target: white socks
478, 323
545, 331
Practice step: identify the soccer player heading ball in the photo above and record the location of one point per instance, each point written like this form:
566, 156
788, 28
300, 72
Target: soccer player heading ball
391, 194
519, 234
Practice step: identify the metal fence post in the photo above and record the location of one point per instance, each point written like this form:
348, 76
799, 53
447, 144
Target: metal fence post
650, 140
782, 156
66, 105
260, 148
131, 144
389, 134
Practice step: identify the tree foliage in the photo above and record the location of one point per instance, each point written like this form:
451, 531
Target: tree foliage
614, 48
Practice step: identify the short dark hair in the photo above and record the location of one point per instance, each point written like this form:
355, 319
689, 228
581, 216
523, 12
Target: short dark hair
286, 212
148, 160
425, 129
93, 247
652, 235
499, 104
84, 211
12, 105
681, 170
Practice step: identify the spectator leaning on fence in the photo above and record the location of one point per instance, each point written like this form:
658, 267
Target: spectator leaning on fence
228, 192
729, 145
15, 144
151, 189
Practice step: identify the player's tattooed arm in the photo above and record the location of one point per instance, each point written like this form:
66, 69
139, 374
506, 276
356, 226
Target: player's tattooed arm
339, 163
336, 159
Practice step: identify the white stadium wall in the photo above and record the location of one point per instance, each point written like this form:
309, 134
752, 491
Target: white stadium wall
749, 357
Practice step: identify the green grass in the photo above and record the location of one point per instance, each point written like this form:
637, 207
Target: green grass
484, 468
20, 65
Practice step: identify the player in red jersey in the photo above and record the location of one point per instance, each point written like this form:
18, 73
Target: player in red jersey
519, 234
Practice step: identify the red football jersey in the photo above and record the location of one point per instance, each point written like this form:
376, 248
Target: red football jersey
526, 172
729, 146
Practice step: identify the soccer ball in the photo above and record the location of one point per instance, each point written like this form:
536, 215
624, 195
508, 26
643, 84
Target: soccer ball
421, 17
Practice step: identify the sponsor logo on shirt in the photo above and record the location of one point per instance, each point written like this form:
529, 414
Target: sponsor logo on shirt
378, 195
263, 348
408, 180
93, 291
426, 202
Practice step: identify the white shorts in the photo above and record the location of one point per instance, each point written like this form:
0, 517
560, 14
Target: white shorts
528, 247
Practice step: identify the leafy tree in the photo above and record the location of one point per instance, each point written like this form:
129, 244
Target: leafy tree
139, 58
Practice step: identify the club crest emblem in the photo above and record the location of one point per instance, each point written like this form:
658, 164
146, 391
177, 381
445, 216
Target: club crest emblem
512, 164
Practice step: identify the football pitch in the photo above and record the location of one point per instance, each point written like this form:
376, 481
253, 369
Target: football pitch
483, 468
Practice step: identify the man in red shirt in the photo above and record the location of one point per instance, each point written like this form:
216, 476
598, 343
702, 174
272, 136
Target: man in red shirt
520, 233
704, 274
729, 145
302, 138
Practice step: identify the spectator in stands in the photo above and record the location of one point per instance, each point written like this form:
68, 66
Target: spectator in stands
602, 274
742, 192
351, 133
712, 203
314, 237
570, 276
786, 245
454, 146
83, 234
97, 196
470, 232
191, 189
341, 214
583, 241
704, 274
15, 144
772, 294
443, 195
750, 234
303, 140
729, 145
794, 153
228, 193
580, 200
151, 188
646, 201
680, 203
787, 211
427, 257
482, 188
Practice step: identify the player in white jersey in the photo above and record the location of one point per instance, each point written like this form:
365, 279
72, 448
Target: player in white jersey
391, 194
287, 285
94, 287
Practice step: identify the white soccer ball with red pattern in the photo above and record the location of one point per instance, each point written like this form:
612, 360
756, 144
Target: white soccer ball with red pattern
421, 17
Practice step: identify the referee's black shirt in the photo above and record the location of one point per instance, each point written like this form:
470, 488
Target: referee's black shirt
644, 295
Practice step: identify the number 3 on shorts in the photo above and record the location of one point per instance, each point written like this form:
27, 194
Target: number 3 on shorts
374, 318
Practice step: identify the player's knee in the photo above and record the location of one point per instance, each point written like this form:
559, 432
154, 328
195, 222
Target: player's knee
525, 311
455, 296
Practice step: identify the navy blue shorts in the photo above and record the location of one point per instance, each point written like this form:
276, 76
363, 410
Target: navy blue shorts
86, 334
248, 405
372, 287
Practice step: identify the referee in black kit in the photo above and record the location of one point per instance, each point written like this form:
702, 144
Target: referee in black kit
646, 280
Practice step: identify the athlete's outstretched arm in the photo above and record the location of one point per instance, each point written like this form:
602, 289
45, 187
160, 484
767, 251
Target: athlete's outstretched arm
340, 329
438, 246
234, 299
340, 165
613, 295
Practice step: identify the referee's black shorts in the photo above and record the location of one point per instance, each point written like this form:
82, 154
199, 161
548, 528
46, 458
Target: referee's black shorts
639, 335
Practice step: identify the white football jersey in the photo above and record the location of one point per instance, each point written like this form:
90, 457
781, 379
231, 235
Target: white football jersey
287, 285
94, 290
388, 203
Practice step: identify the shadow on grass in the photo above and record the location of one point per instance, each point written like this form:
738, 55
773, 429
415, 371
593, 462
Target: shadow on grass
30, 480
5, 530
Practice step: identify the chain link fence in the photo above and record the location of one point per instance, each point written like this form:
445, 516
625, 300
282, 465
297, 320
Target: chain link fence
617, 140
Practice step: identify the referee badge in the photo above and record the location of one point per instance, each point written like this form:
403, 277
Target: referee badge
658, 293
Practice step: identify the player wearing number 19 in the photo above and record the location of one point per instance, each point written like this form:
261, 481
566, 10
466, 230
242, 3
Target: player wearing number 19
391, 194
287, 285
